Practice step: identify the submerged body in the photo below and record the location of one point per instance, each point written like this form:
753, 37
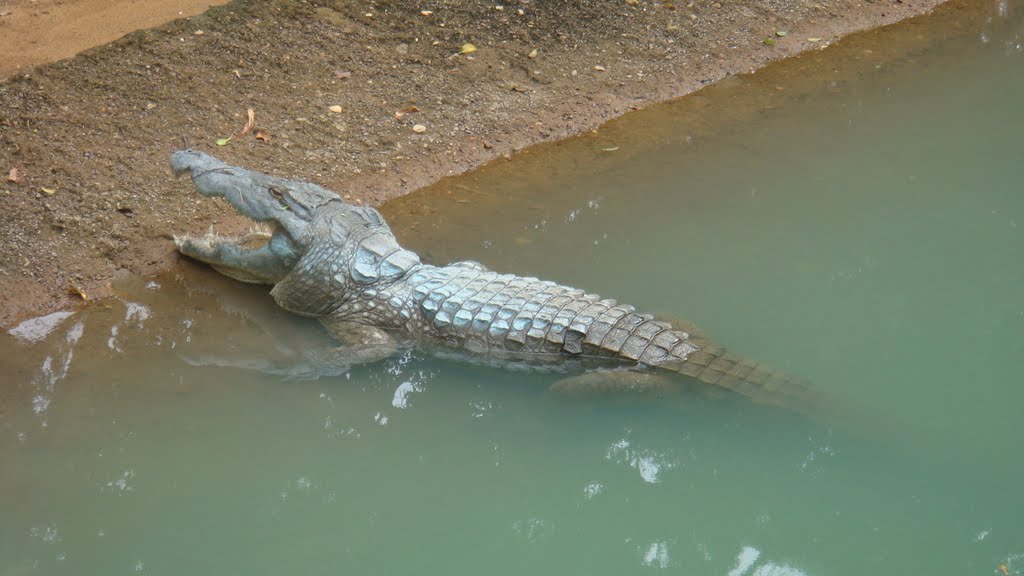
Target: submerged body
342, 264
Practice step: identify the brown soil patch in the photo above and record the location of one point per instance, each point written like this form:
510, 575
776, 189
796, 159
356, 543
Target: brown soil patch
34, 32
91, 135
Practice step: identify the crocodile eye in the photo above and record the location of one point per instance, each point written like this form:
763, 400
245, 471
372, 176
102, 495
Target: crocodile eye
276, 192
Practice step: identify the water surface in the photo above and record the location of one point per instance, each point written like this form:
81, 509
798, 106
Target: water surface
854, 216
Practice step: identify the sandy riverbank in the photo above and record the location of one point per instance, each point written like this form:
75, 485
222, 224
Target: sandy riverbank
338, 86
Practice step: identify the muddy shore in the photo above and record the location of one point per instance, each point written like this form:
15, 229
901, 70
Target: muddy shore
371, 99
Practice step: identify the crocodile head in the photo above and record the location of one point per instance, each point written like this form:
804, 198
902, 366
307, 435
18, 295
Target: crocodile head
284, 208
317, 247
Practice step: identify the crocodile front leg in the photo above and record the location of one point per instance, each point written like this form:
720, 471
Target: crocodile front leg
360, 344
308, 358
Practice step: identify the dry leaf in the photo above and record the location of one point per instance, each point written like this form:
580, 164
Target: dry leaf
262, 135
467, 48
15, 175
426, 12
76, 291
336, 109
48, 191
814, 39
248, 125
1004, 569
599, 68
407, 110
419, 128
533, 53
342, 74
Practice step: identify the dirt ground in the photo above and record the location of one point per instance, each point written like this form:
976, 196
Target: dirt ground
370, 98
34, 32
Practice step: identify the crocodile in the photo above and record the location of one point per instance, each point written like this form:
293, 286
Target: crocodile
341, 263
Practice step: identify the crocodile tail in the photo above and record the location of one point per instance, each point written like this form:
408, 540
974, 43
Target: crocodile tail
715, 365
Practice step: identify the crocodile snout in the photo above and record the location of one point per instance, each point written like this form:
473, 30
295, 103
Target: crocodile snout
193, 161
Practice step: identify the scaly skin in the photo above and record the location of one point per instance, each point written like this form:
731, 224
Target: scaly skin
342, 264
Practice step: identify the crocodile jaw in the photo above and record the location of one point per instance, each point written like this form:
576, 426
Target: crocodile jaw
247, 258
262, 256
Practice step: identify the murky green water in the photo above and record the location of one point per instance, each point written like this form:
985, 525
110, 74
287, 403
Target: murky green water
853, 217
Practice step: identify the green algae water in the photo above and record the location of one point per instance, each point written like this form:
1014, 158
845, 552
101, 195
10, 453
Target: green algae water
855, 216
